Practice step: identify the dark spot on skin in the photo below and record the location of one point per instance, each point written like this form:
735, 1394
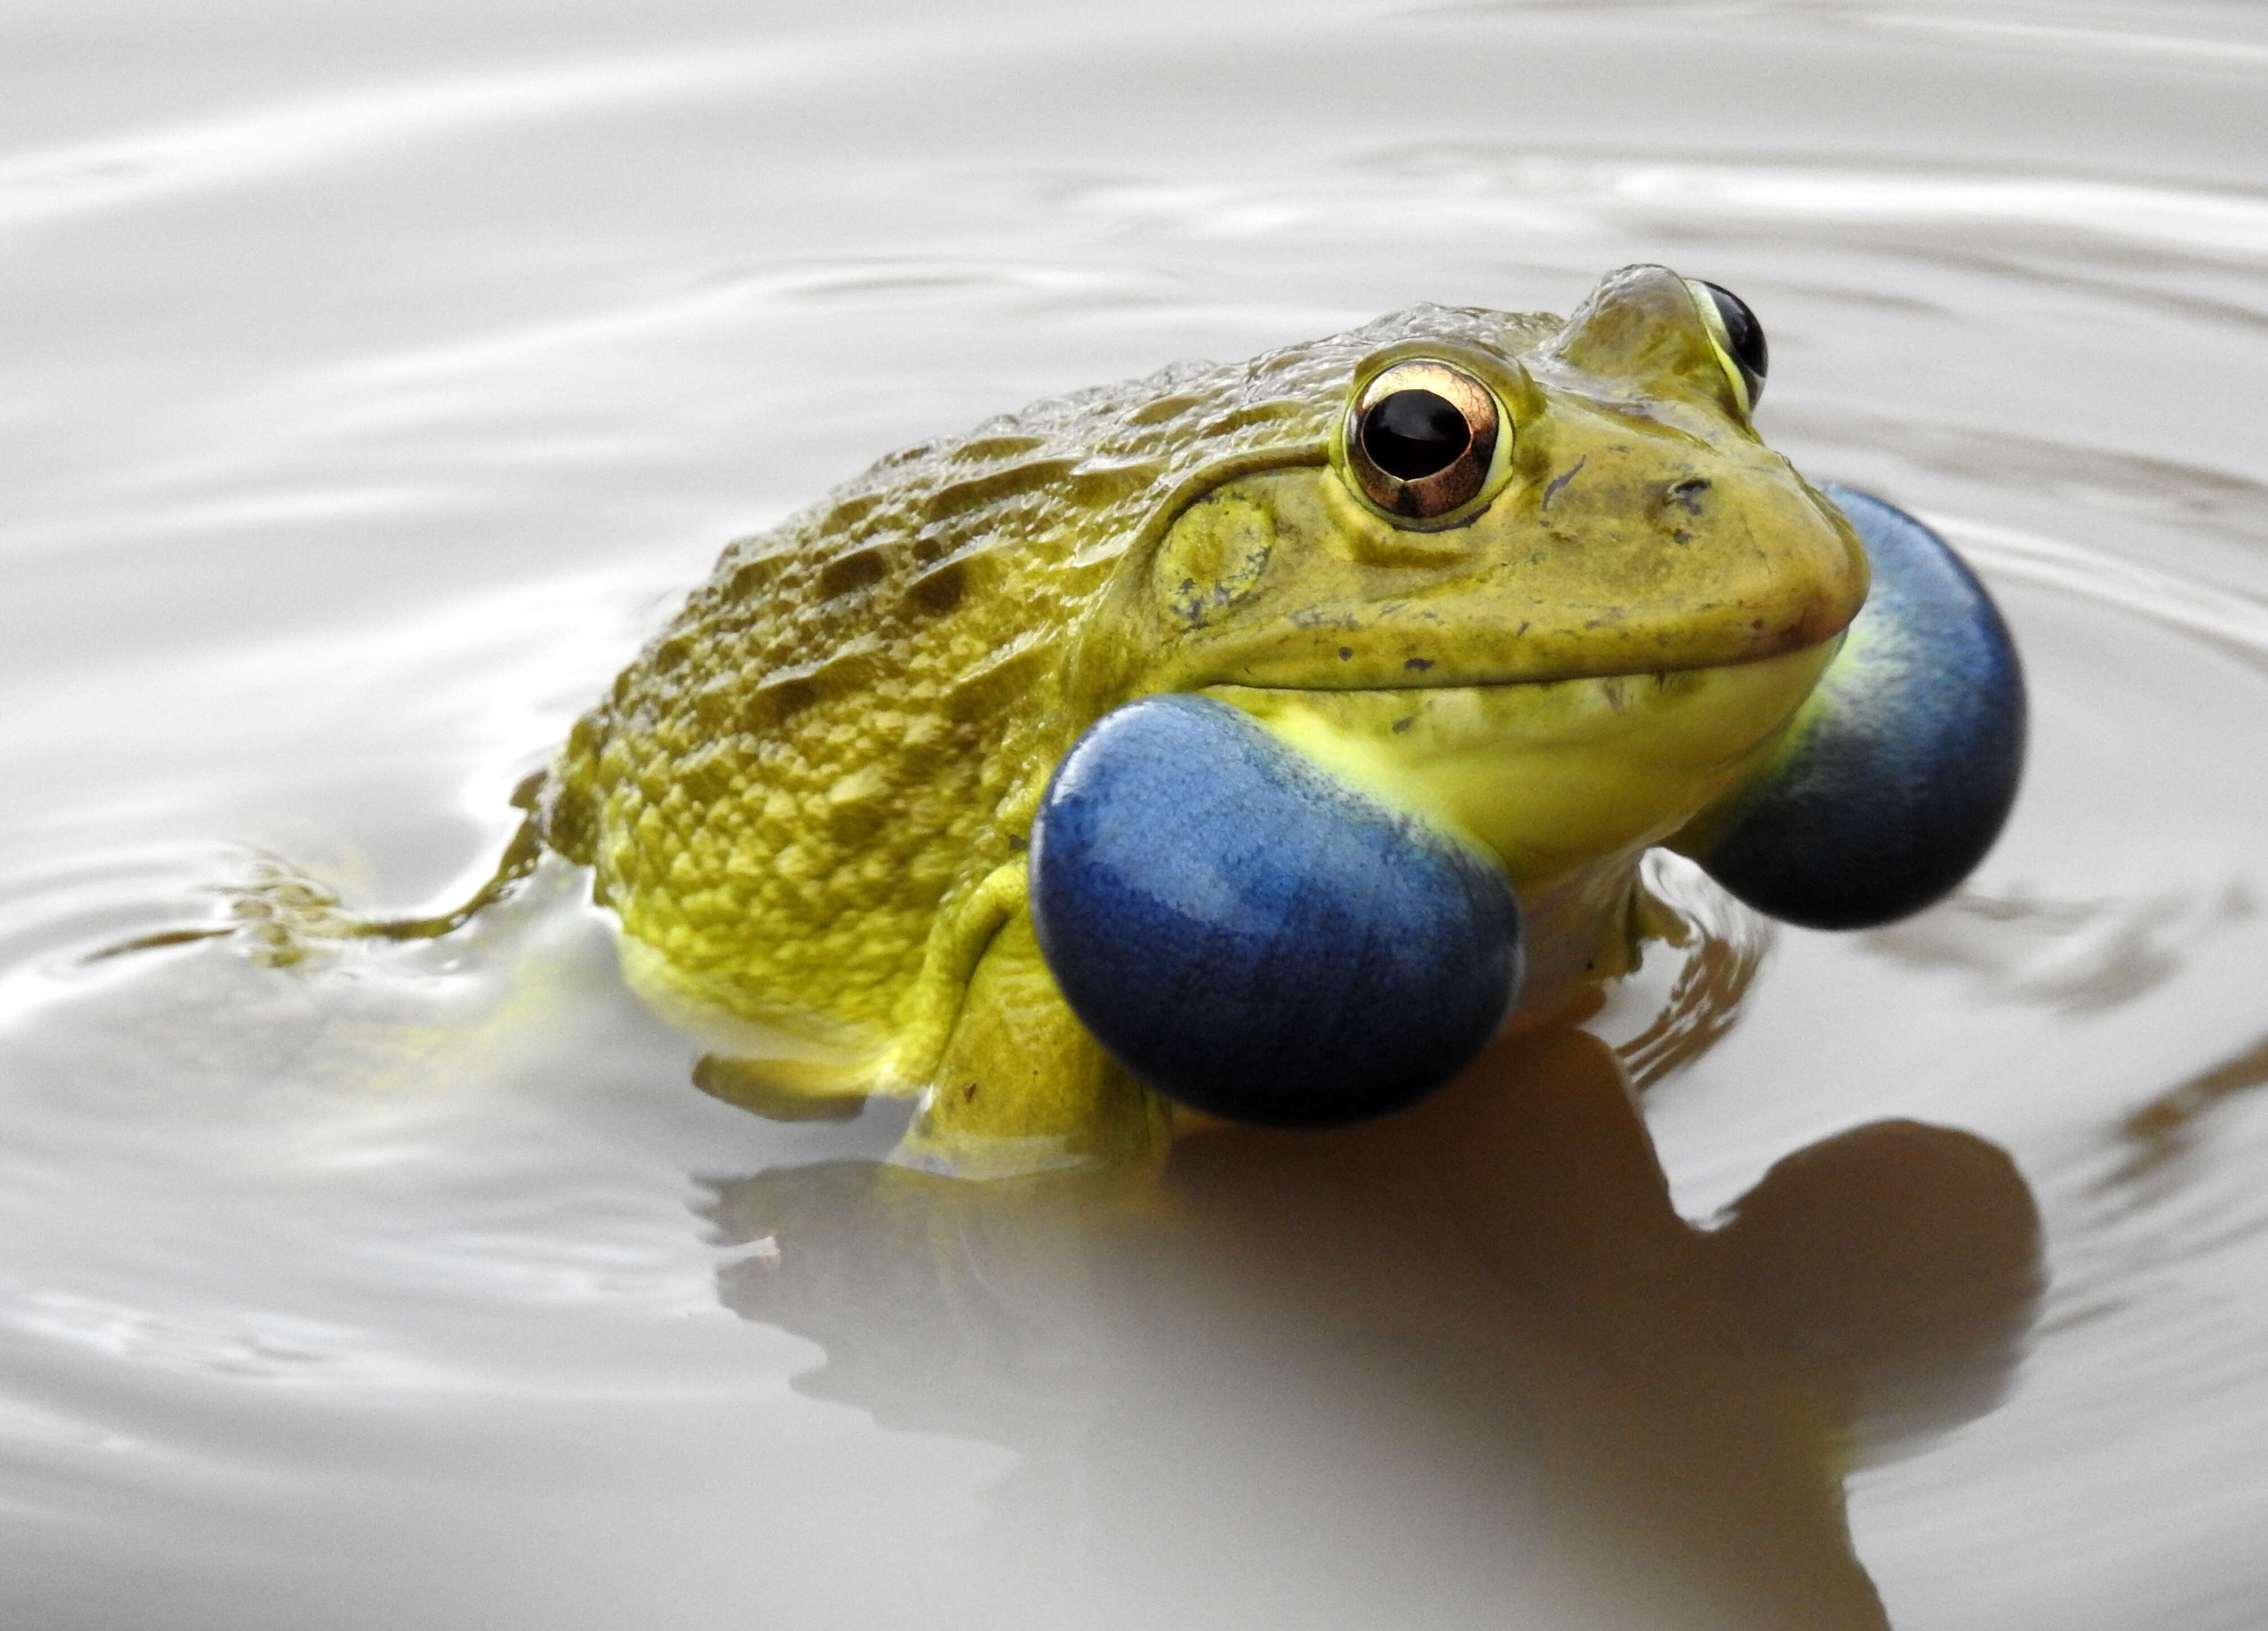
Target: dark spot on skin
979, 691
1521, 629
848, 574
968, 1094
1686, 495
1345, 651
1418, 664
1186, 604
1017, 846
775, 704
1681, 537
938, 591
1558, 481
1400, 726
1194, 602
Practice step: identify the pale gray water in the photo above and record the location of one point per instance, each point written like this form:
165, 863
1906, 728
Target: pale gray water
374, 376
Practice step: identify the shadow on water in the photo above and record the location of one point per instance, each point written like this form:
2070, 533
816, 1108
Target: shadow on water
1466, 1366
2165, 1129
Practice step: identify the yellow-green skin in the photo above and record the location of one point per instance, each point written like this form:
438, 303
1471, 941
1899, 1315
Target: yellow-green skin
808, 800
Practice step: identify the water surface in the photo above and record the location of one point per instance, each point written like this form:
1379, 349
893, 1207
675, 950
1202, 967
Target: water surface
377, 376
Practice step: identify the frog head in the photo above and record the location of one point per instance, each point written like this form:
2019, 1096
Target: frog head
1538, 600
1550, 591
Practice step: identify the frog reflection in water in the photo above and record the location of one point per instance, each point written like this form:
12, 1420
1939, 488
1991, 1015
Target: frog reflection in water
1254, 742
1264, 745
1460, 1367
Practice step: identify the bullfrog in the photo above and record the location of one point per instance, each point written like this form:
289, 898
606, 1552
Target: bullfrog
1257, 741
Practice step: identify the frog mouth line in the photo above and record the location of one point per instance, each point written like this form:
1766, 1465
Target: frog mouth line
1672, 715
1661, 677
1422, 674
1548, 776
1613, 682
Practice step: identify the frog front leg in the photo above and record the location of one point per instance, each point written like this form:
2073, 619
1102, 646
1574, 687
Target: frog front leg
1899, 770
1022, 1085
1209, 918
1255, 938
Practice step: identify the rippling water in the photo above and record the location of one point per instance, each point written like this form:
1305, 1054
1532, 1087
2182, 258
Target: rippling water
375, 377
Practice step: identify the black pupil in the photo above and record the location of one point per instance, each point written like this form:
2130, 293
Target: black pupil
1744, 333
1414, 434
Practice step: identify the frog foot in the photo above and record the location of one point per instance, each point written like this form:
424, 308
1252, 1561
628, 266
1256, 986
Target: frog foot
278, 915
1901, 766
1254, 938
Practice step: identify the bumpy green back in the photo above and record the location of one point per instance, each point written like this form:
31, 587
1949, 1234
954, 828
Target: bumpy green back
847, 724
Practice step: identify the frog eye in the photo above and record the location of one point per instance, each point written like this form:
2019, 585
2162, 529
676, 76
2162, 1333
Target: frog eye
1740, 338
1421, 438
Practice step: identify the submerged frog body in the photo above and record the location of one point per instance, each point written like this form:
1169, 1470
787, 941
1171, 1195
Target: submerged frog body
1507, 599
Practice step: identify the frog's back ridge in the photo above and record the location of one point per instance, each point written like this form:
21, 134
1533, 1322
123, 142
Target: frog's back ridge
833, 740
